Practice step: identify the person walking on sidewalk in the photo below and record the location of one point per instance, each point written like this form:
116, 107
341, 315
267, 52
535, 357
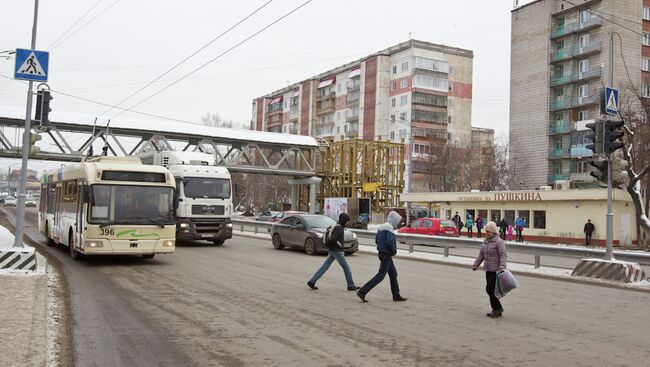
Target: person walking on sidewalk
386, 248
520, 223
479, 226
335, 239
457, 222
469, 223
503, 225
493, 253
588, 230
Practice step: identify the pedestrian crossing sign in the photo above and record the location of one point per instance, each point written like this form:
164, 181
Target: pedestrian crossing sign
611, 101
31, 65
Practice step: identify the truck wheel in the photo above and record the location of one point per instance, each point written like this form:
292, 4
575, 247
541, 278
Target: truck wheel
277, 242
310, 247
219, 242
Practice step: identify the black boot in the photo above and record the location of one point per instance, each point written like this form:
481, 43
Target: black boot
353, 288
399, 299
494, 313
362, 296
312, 285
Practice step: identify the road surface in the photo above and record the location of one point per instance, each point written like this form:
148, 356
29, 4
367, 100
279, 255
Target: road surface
246, 304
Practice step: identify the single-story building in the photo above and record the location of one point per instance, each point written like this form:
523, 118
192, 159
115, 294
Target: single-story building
553, 216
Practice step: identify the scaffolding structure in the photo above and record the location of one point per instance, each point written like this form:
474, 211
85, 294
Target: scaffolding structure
362, 168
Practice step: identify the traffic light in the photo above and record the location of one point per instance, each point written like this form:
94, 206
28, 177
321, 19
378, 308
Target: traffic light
43, 109
619, 171
33, 149
600, 173
612, 136
596, 136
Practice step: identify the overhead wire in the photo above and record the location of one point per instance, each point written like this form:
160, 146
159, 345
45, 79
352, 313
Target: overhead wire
74, 24
188, 57
217, 57
84, 25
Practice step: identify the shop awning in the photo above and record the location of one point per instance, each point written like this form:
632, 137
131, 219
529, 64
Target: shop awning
354, 73
326, 82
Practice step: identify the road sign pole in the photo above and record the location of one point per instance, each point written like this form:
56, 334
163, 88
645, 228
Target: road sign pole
20, 205
609, 231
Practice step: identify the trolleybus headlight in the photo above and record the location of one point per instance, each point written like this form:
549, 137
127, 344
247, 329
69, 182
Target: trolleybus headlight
168, 243
184, 225
94, 244
229, 225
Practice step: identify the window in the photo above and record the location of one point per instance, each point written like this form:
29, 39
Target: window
403, 116
449, 103
392, 102
417, 224
583, 41
403, 84
584, 90
646, 38
526, 215
645, 90
645, 64
338, 115
583, 115
451, 70
585, 16
430, 64
449, 119
393, 86
428, 82
338, 129
646, 13
509, 215
338, 88
405, 66
483, 213
495, 215
539, 219
392, 135
394, 69
583, 65
404, 100
392, 118
402, 133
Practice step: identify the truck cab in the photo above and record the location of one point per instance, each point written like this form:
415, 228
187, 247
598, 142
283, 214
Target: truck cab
203, 199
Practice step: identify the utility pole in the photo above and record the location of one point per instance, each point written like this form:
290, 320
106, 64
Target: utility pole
20, 211
609, 231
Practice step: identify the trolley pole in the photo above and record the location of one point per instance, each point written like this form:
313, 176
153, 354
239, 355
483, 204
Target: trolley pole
20, 211
609, 231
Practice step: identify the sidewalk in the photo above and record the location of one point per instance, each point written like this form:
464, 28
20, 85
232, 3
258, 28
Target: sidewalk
24, 313
516, 268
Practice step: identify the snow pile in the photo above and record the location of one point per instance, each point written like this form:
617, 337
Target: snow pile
54, 312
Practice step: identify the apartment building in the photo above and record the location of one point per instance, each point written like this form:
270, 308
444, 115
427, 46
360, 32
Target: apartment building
416, 91
559, 65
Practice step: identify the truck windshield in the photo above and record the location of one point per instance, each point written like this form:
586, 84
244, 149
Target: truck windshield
126, 204
209, 188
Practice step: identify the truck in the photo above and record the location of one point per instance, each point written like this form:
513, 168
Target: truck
359, 210
203, 198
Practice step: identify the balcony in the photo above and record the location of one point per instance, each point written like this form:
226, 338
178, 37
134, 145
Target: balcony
579, 51
556, 153
581, 176
354, 85
326, 97
293, 129
352, 115
574, 27
325, 124
293, 114
568, 103
353, 98
429, 116
325, 106
435, 134
559, 177
560, 127
578, 151
353, 133
575, 77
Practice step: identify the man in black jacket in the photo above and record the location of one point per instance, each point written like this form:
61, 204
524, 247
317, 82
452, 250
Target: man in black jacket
503, 227
588, 230
335, 249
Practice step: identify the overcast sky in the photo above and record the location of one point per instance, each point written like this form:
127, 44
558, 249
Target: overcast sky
120, 46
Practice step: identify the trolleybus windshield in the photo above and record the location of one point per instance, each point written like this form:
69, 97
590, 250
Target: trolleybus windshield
122, 204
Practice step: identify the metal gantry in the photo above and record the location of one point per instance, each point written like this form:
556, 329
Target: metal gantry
238, 154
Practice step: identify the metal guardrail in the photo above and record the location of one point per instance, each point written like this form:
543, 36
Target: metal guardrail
448, 243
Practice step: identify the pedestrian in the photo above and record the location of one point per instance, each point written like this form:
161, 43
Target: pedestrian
509, 232
459, 226
588, 230
520, 223
469, 223
493, 254
503, 226
386, 249
479, 225
456, 218
335, 252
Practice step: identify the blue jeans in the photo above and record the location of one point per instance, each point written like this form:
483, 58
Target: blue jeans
386, 266
331, 256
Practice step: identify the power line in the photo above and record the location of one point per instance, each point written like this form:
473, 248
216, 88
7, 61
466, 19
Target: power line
609, 20
75, 23
188, 57
218, 56
83, 26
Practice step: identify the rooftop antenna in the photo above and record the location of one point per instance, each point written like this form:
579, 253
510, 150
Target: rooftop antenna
90, 150
105, 147
410, 35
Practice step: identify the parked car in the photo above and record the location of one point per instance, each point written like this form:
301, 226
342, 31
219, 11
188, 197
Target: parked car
30, 202
266, 216
306, 231
10, 201
432, 227
281, 215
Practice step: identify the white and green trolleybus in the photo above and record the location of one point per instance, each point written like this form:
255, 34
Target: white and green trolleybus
109, 206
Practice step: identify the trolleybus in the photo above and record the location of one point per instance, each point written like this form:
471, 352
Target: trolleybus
109, 206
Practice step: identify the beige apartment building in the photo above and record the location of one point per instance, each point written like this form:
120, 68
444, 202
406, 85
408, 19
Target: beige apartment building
417, 91
559, 65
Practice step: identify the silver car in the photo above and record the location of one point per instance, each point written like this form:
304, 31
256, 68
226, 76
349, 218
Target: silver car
11, 201
306, 231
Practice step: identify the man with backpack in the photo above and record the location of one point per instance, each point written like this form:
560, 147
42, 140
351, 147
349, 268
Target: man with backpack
333, 239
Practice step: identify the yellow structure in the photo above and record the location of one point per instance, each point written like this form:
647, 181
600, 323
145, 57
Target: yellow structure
361, 168
554, 216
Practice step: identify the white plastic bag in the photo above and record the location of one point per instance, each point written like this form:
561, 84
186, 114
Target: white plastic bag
505, 283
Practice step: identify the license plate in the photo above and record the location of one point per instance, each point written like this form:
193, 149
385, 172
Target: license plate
206, 235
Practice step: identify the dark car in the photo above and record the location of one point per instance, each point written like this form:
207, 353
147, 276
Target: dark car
266, 216
281, 215
306, 231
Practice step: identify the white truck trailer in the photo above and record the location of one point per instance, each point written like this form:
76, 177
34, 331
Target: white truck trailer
203, 199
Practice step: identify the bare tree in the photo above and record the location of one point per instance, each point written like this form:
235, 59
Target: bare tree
215, 120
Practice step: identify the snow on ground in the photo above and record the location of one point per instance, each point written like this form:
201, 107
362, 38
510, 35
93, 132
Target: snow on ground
54, 312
